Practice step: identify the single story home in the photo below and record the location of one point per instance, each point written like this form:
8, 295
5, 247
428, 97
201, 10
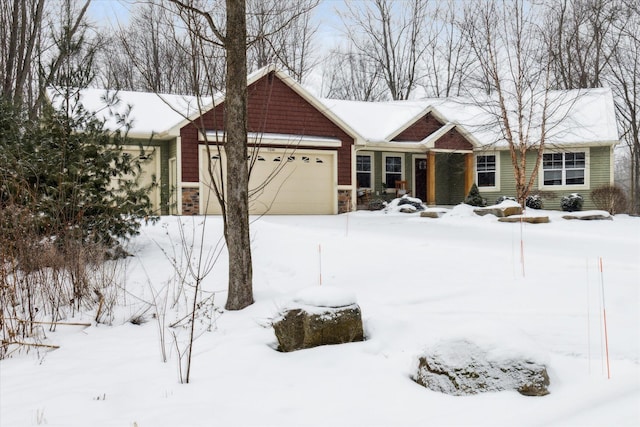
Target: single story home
321, 156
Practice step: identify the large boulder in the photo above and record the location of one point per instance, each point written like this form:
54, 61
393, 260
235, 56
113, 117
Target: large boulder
505, 208
319, 316
589, 215
527, 219
463, 367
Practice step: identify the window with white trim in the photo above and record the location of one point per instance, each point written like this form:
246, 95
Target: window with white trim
392, 170
486, 170
564, 168
363, 170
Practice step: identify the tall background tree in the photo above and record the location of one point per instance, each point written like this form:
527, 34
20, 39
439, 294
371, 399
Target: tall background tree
281, 33
624, 77
351, 75
235, 122
393, 36
506, 41
39, 38
595, 43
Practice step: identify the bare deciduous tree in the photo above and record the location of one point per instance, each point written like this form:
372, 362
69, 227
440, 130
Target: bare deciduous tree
281, 33
448, 61
22, 24
353, 76
391, 34
236, 228
153, 53
624, 77
581, 41
232, 189
505, 39
36, 40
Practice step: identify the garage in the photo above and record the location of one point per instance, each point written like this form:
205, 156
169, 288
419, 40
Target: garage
149, 174
282, 181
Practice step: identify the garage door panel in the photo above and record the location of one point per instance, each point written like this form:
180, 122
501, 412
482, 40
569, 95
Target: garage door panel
302, 182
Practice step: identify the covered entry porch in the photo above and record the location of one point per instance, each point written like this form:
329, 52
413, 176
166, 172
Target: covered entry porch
443, 177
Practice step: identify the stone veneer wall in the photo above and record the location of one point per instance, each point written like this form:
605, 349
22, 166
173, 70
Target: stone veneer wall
344, 201
190, 201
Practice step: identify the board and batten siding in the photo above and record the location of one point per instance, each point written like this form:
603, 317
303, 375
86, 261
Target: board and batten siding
599, 174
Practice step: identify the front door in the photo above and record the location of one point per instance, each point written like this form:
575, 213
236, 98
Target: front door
420, 168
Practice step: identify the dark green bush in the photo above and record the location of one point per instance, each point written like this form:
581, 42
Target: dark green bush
416, 203
474, 198
534, 201
572, 202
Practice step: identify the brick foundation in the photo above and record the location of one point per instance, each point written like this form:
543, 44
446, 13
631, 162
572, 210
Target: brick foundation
190, 201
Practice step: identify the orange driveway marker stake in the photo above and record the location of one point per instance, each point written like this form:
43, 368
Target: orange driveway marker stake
604, 318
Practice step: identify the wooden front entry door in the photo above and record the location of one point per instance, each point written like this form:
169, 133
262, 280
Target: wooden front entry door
420, 168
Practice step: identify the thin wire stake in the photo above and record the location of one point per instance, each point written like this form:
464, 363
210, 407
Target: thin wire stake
320, 262
588, 318
604, 318
346, 233
513, 251
602, 357
522, 241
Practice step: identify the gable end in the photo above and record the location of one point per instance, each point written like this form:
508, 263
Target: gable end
419, 130
453, 140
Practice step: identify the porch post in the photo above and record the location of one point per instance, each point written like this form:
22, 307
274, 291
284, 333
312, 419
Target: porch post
431, 178
468, 172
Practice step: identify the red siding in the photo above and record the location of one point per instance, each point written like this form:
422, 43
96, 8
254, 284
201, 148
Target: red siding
273, 107
421, 129
453, 140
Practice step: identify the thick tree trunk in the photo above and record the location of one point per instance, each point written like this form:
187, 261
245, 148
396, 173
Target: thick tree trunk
237, 218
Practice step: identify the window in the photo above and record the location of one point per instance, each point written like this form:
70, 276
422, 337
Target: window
392, 170
363, 171
486, 171
564, 168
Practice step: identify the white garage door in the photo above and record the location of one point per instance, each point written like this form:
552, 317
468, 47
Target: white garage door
281, 182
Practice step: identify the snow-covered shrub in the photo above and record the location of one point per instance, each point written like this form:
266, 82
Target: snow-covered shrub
474, 198
377, 205
416, 203
503, 198
572, 202
534, 201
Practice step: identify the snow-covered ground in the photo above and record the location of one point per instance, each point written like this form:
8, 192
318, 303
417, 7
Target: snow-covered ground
417, 280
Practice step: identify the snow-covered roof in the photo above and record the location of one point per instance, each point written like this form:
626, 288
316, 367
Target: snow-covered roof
147, 113
585, 116
375, 121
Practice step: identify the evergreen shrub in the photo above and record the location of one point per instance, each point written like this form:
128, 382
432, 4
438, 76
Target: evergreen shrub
571, 203
474, 198
534, 201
